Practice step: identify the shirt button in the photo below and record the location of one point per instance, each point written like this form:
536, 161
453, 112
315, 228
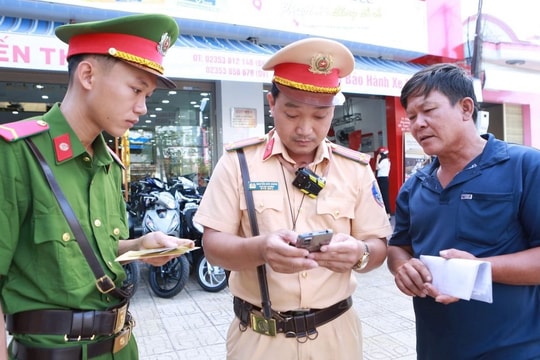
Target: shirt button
66, 236
304, 274
97, 222
86, 159
116, 231
336, 213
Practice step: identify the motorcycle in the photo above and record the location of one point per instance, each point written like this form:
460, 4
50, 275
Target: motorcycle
136, 205
211, 278
156, 206
163, 214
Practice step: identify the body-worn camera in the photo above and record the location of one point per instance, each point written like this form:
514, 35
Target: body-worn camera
308, 182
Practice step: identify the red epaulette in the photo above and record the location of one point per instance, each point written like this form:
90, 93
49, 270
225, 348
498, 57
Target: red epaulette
244, 143
21, 129
349, 153
116, 158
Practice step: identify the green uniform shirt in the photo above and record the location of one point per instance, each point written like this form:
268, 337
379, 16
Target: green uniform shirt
41, 264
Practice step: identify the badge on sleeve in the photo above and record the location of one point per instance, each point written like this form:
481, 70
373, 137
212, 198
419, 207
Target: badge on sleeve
377, 194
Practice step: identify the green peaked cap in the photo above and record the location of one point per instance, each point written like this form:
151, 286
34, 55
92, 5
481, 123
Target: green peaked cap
141, 40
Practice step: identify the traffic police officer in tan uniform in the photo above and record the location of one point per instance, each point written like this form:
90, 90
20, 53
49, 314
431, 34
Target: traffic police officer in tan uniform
300, 182
55, 307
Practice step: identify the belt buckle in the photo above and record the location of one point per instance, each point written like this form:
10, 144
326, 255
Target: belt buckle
121, 339
261, 325
105, 284
120, 320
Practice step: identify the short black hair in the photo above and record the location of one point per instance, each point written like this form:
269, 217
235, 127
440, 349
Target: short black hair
449, 79
275, 90
75, 60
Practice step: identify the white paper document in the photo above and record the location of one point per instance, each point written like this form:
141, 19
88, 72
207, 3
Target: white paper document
462, 278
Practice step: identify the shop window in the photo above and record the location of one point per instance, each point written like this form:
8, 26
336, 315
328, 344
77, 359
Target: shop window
175, 137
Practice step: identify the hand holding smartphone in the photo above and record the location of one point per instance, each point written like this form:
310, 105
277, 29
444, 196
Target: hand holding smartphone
312, 241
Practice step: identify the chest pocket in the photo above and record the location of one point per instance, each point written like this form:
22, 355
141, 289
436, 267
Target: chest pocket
337, 208
479, 211
57, 254
266, 201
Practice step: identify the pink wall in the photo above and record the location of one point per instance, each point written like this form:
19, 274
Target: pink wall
445, 28
531, 110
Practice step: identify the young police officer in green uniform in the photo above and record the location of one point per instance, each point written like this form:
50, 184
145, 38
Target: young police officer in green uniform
54, 307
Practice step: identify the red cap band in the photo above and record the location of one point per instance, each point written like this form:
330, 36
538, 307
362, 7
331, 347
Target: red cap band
300, 77
101, 43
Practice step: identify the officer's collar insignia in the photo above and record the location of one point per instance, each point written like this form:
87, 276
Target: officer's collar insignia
164, 44
268, 149
62, 147
321, 64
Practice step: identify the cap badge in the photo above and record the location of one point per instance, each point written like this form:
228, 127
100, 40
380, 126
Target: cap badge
321, 64
164, 44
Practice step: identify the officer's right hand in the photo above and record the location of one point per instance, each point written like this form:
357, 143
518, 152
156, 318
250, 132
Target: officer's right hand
279, 251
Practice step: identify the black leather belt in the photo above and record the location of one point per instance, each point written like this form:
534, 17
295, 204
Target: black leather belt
75, 325
74, 350
299, 324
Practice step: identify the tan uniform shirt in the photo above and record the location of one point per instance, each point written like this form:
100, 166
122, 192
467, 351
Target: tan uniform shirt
350, 203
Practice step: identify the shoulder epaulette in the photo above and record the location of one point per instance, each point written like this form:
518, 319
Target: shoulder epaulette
21, 129
350, 153
116, 158
245, 143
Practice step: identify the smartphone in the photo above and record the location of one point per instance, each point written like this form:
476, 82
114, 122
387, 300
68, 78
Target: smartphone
314, 240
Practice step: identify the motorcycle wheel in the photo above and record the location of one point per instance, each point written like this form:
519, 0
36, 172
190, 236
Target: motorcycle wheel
132, 276
211, 278
168, 280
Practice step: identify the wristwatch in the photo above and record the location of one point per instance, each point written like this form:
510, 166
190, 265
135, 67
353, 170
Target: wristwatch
362, 263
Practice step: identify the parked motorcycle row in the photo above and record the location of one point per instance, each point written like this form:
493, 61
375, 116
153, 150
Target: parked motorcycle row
169, 207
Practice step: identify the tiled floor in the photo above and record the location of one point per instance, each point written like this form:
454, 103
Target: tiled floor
193, 324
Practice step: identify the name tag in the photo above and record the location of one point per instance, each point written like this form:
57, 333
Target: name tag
263, 185
466, 196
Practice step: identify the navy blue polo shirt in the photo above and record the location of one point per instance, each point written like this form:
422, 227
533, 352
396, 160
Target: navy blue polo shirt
490, 208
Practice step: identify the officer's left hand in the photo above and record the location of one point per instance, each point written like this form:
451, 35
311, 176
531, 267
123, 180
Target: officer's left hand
156, 240
340, 255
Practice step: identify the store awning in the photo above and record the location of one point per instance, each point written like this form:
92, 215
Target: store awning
46, 28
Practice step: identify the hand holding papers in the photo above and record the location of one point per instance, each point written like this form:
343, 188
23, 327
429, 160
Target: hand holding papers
150, 253
462, 278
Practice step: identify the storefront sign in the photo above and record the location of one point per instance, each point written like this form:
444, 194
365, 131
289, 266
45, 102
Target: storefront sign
243, 117
48, 53
32, 52
377, 22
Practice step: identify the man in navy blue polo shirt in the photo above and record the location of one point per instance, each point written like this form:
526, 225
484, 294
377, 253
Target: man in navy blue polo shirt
477, 200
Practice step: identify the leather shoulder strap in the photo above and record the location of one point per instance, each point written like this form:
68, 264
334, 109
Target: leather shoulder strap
261, 269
